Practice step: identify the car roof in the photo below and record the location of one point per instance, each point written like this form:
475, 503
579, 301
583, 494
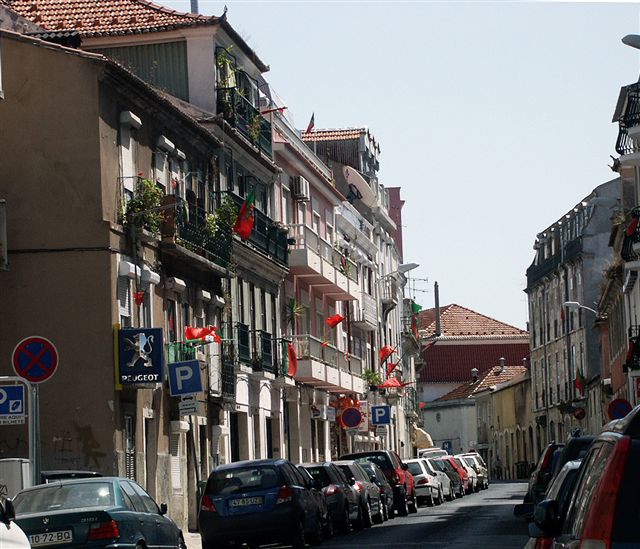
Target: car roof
249, 463
65, 481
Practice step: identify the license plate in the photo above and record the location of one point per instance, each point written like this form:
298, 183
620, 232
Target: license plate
51, 538
241, 502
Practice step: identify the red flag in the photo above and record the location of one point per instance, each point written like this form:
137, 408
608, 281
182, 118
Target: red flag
293, 360
204, 334
246, 217
562, 313
138, 297
391, 383
312, 123
633, 225
391, 367
580, 381
422, 405
334, 320
386, 352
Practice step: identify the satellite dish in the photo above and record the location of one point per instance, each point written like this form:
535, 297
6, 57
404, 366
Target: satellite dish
632, 40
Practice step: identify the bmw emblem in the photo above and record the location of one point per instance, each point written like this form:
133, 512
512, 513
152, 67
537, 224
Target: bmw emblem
45, 520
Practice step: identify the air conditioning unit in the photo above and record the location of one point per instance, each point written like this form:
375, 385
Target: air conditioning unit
300, 188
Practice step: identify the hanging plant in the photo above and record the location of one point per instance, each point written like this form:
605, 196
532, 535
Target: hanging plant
254, 128
147, 197
373, 379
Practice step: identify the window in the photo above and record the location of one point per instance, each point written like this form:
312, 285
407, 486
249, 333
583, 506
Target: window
124, 301
171, 320
128, 152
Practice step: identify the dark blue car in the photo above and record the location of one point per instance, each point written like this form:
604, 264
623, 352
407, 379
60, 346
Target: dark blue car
258, 502
97, 513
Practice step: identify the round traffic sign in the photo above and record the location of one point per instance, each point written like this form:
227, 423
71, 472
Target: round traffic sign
618, 408
351, 418
35, 359
579, 413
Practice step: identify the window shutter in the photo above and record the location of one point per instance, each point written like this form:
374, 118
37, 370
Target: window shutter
174, 452
123, 296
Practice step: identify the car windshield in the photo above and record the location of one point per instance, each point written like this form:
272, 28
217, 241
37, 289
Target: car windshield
320, 474
243, 479
437, 465
55, 497
379, 459
415, 469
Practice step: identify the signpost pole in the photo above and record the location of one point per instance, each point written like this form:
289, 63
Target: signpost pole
36, 433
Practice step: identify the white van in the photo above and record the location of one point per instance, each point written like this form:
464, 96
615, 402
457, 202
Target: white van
11, 535
432, 453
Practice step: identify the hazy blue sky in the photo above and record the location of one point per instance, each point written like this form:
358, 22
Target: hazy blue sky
494, 118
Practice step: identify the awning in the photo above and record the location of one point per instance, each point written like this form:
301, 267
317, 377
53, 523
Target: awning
420, 438
353, 177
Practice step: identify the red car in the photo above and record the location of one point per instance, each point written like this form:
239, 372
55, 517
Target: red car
464, 476
401, 480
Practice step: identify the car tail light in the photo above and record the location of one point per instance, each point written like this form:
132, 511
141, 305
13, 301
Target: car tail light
544, 543
104, 530
359, 486
546, 461
332, 489
285, 494
395, 478
423, 481
598, 528
206, 504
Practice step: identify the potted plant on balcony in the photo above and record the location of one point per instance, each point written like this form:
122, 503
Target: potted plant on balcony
372, 378
147, 197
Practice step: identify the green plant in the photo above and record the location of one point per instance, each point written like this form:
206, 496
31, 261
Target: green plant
148, 196
294, 311
255, 127
211, 224
372, 378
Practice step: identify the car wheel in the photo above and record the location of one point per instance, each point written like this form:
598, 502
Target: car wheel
367, 522
181, 543
413, 504
298, 540
391, 511
328, 527
344, 527
430, 501
402, 508
385, 510
378, 518
316, 536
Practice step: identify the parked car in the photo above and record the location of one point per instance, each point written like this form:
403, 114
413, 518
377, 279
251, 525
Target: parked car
542, 474
342, 498
258, 502
94, 513
404, 495
386, 492
444, 480
369, 493
432, 452
321, 500
560, 490
462, 472
603, 511
474, 461
11, 535
456, 481
575, 448
427, 486
471, 474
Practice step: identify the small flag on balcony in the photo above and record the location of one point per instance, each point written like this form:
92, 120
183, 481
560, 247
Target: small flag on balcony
334, 320
138, 297
580, 381
312, 123
633, 225
293, 360
422, 405
385, 352
246, 216
204, 334
392, 383
391, 367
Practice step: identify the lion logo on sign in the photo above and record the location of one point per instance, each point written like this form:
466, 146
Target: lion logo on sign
142, 347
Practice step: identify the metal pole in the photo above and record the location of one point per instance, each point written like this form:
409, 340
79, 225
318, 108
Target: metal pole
36, 434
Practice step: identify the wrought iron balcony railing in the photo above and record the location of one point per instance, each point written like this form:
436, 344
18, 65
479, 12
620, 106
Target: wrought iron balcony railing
243, 343
629, 118
263, 352
242, 115
267, 236
631, 236
308, 346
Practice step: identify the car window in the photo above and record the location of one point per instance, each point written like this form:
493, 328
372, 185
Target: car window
320, 474
428, 467
138, 504
414, 468
346, 470
148, 502
243, 479
306, 478
381, 460
341, 475
592, 468
53, 497
296, 476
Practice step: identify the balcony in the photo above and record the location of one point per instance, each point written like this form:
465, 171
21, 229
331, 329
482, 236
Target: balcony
243, 343
185, 234
267, 237
322, 266
365, 313
263, 352
535, 272
326, 367
244, 117
629, 251
629, 126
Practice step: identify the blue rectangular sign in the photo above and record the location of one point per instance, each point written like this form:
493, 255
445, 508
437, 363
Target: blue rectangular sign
380, 415
141, 356
12, 404
184, 378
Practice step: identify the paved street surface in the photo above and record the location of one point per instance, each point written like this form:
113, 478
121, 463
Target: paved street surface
483, 520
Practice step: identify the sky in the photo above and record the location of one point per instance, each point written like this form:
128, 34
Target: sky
493, 117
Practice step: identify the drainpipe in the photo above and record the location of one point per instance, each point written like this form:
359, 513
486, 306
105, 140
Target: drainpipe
194, 6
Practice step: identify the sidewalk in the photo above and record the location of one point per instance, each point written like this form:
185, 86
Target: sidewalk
192, 540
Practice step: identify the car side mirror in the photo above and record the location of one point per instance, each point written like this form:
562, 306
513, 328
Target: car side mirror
523, 510
9, 511
163, 508
546, 515
405, 467
373, 479
352, 481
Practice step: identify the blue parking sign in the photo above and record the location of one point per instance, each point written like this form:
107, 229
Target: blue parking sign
184, 378
12, 404
380, 415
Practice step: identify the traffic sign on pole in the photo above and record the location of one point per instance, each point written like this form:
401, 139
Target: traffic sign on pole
351, 418
35, 359
184, 378
381, 415
12, 405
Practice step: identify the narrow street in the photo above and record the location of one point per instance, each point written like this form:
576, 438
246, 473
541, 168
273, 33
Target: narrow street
484, 520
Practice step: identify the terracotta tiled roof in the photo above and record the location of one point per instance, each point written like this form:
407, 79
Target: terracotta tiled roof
494, 376
460, 321
333, 135
106, 17
453, 363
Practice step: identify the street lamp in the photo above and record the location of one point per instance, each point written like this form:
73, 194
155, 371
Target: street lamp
576, 305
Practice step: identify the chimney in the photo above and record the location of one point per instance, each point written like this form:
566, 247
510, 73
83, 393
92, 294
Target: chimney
474, 375
502, 366
194, 6
525, 362
436, 295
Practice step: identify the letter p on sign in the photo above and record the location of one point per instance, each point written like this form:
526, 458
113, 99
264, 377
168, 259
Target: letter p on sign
184, 378
183, 374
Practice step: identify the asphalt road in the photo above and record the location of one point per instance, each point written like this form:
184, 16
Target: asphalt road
484, 520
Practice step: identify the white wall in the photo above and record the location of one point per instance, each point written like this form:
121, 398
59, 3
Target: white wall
456, 424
